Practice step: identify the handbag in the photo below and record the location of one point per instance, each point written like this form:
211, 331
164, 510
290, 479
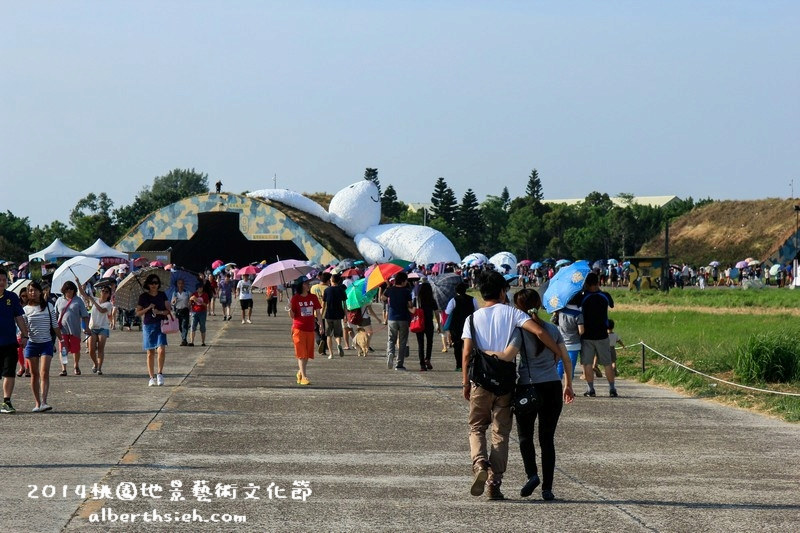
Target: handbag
525, 399
489, 371
354, 316
417, 324
447, 322
170, 325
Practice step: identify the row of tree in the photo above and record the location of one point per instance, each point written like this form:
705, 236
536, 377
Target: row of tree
95, 216
526, 226
531, 228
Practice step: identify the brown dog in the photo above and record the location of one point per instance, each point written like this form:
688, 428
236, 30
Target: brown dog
362, 342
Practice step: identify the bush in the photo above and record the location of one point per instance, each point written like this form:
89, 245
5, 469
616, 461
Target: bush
768, 358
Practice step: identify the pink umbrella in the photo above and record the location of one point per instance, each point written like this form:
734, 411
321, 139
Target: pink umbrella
250, 270
217, 263
157, 264
281, 272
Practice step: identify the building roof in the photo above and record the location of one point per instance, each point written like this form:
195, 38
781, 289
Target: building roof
653, 201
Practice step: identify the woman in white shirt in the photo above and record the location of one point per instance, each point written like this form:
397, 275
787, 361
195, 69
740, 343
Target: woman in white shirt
100, 326
41, 319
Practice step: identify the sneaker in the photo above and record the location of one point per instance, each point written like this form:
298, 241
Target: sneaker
243, 322
613, 393
99, 372
305, 381
495, 494
7, 408
548, 496
249, 321
530, 486
36, 409
341, 352
184, 343
399, 368
202, 344
330, 356
159, 379
428, 365
152, 382
479, 482
44, 408
190, 344
94, 370
590, 393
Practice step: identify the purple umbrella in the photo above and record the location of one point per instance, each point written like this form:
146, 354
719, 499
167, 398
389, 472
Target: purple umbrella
741, 264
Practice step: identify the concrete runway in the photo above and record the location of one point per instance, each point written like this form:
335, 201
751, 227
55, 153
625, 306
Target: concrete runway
381, 450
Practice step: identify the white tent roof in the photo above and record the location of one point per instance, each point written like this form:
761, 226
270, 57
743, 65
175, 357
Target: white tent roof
101, 249
56, 250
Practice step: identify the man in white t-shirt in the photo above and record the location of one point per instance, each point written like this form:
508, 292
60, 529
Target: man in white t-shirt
494, 323
244, 292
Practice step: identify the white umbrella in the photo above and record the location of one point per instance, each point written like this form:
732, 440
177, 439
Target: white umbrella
81, 267
22, 284
281, 272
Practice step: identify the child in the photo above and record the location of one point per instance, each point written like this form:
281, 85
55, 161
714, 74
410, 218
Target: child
613, 340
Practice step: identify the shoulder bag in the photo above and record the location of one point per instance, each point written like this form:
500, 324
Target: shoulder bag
525, 399
417, 324
489, 371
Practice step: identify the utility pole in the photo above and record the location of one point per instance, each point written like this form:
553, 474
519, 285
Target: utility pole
665, 268
275, 181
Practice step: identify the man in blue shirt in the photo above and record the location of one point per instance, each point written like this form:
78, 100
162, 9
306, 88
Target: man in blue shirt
10, 316
400, 308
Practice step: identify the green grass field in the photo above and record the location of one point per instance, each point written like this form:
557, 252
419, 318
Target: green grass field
706, 341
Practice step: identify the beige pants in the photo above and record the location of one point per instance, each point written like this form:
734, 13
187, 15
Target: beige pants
486, 408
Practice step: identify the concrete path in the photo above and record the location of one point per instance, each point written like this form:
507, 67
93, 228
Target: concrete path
380, 450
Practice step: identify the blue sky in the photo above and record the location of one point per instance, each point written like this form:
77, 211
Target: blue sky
688, 98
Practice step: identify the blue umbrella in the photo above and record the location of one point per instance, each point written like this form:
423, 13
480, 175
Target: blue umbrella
535, 265
562, 262
510, 277
565, 284
190, 281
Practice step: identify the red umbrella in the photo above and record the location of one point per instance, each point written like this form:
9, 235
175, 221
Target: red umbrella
351, 272
217, 263
250, 270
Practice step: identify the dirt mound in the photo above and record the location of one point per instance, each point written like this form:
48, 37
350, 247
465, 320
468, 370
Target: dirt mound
727, 231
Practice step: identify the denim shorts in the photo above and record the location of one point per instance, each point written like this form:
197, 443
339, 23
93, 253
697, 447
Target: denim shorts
152, 337
199, 320
101, 331
38, 349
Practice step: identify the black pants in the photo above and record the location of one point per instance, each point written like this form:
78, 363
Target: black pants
272, 306
458, 347
425, 345
183, 322
549, 409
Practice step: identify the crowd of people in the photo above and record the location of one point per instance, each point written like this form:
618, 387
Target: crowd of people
506, 326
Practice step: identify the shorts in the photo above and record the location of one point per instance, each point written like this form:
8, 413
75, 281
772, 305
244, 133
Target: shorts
365, 322
152, 337
101, 331
8, 358
38, 349
333, 328
613, 354
303, 344
599, 347
72, 343
199, 319
246, 304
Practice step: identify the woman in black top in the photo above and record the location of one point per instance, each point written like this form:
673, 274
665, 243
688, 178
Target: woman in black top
427, 303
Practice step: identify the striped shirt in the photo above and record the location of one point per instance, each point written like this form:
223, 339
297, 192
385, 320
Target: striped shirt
39, 322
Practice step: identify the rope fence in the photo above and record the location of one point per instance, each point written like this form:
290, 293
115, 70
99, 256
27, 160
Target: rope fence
645, 347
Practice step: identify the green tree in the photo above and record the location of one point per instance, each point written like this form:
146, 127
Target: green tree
444, 202
391, 207
371, 174
495, 217
524, 234
505, 197
43, 236
470, 224
15, 237
91, 219
534, 188
557, 221
168, 189
449, 231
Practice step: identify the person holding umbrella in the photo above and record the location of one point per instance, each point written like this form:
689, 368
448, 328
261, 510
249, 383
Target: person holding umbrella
153, 306
304, 308
72, 313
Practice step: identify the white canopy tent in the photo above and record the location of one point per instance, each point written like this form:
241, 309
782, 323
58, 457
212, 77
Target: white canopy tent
100, 250
56, 250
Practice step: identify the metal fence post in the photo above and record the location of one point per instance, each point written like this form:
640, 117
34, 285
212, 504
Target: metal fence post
643, 358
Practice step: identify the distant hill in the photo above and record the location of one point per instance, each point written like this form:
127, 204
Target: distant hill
727, 231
